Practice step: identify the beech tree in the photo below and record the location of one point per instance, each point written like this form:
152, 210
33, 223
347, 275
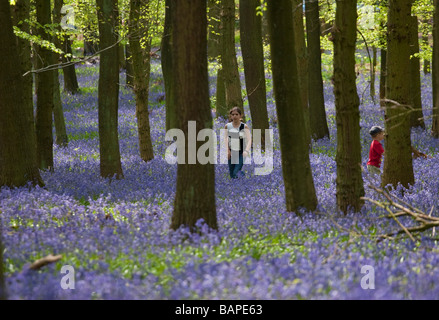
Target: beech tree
253, 59
318, 123
398, 166
435, 71
108, 91
138, 34
349, 183
195, 194
18, 161
228, 77
44, 89
296, 167
167, 67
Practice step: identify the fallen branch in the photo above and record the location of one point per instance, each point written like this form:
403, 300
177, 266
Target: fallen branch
44, 261
397, 208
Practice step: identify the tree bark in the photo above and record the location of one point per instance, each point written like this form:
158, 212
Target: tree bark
302, 62
435, 71
229, 62
214, 26
18, 159
417, 117
318, 123
58, 114
296, 168
398, 166
383, 77
167, 68
108, 91
195, 194
349, 182
70, 80
44, 92
253, 59
138, 31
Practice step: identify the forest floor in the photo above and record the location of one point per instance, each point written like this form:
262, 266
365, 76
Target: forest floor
115, 237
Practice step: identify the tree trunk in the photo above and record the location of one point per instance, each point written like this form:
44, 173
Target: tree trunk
195, 194
21, 14
18, 159
138, 31
398, 167
3, 295
372, 74
214, 32
70, 80
108, 91
318, 124
167, 68
58, 114
383, 77
296, 168
229, 62
253, 58
435, 71
129, 67
416, 117
349, 183
44, 92
302, 62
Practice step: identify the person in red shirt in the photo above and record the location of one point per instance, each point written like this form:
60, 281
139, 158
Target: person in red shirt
376, 150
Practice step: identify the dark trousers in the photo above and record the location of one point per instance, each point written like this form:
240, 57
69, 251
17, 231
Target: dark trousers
235, 168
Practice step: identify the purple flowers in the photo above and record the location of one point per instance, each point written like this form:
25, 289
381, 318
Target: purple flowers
116, 235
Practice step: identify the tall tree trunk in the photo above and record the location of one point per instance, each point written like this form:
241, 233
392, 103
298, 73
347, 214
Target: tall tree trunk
302, 62
349, 183
296, 168
70, 80
318, 124
416, 117
129, 67
253, 58
18, 159
167, 68
22, 14
229, 61
58, 114
383, 73
195, 195
214, 32
138, 31
108, 91
372, 74
398, 166
435, 71
3, 295
44, 92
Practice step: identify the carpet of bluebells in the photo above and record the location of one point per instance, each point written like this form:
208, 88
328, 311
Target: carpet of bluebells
116, 235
